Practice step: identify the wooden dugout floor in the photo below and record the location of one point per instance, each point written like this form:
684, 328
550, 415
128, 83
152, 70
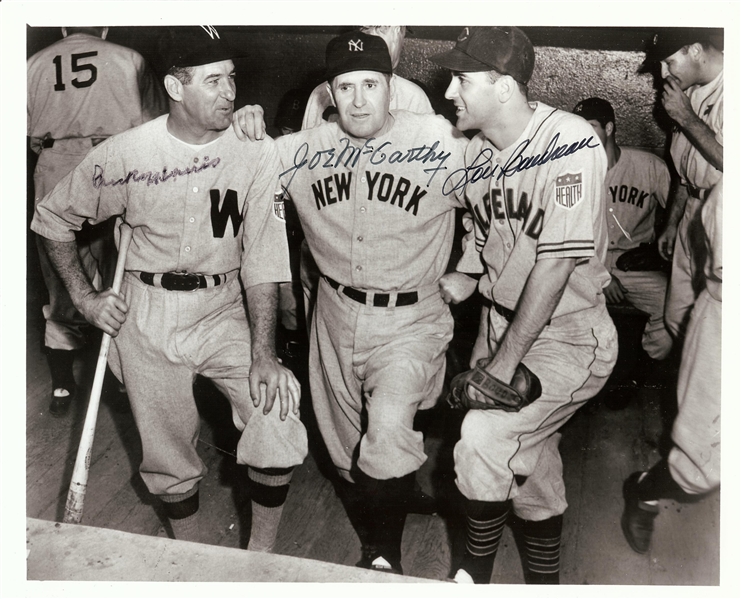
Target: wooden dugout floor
600, 448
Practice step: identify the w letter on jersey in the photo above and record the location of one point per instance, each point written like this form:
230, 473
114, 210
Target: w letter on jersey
568, 190
230, 209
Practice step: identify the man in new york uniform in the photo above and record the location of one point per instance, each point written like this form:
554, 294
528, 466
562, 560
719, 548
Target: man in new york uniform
637, 183
201, 204
534, 181
368, 191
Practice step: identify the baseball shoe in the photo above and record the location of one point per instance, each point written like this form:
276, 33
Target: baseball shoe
61, 399
463, 577
638, 517
372, 560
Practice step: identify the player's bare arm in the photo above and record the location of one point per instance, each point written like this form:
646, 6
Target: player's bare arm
105, 309
483, 344
539, 299
668, 237
678, 107
267, 374
249, 123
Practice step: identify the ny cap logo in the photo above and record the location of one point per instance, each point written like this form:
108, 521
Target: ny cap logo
211, 31
464, 34
355, 45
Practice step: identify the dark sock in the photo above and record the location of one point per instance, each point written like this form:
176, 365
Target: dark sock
485, 522
61, 367
182, 512
543, 548
659, 484
268, 491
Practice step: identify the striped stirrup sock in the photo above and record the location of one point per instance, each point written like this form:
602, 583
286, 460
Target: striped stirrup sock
268, 489
543, 548
485, 522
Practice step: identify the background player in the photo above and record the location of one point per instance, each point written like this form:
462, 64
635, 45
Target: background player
208, 222
381, 230
81, 90
692, 69
540, 232
637, 183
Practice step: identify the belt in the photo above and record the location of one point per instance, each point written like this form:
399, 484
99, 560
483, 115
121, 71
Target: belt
506, 313
49, 142
380, 300
696, 192
183, 281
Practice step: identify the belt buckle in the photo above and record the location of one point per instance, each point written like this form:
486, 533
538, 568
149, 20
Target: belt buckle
180, 281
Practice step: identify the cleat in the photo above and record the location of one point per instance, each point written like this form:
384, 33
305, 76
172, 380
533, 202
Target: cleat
638, 517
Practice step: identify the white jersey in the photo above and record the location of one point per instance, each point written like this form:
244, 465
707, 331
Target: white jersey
85, 87
407, 96
707, 104
637, 183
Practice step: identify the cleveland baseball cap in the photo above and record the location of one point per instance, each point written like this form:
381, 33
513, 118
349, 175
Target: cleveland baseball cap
506, 50
195, 46
668, 40
595, 109
357, 51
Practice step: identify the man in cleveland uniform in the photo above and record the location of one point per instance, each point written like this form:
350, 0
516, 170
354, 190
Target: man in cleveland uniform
81, 90
637, 183
201, 204
534, 182
692, 67
369, 193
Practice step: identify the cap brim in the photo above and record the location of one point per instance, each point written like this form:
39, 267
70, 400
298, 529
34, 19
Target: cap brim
455, 60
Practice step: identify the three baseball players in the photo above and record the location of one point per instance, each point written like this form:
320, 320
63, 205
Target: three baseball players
202, 222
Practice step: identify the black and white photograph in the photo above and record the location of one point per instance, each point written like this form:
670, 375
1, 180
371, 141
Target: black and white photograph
303, 300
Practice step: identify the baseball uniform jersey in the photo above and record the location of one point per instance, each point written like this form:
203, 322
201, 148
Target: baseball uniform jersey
199, 209
381, 228
408, 96
699, 176
636, 185
540, 198
81, 90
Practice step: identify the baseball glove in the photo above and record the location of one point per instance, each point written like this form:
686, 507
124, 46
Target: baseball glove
523, 390
645, 257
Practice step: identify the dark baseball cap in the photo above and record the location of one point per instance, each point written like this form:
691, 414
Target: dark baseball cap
595, 109
506, 50
668, 40
357, 51
195, 46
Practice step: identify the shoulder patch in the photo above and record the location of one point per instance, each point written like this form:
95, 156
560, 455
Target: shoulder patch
568, 192
279, 205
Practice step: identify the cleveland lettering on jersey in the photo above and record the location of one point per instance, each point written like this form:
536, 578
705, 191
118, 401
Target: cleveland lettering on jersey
483, 168
347, 156
150, 177
492, 205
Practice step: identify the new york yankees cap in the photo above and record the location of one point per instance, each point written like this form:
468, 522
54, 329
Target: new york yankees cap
195, 46
668, 40
595, 109
506, 50
357, 51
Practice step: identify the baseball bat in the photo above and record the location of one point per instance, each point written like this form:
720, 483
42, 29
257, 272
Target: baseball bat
78, 484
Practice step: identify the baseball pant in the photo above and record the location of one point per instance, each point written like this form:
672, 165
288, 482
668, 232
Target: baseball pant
168, 338
688, 277
379, 363
309, 275
65, 326
514, 455
694, 461
646, 292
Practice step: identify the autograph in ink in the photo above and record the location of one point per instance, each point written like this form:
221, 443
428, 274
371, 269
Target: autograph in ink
482, 168
348, 156
150, 177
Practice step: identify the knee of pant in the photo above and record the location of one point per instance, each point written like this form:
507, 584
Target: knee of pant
478, 428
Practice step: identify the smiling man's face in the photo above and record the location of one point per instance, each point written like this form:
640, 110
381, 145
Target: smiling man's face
362, 99
208, 100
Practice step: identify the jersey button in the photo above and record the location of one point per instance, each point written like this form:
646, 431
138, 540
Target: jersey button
195, 159
195, 190
358, 268
187, 248
191, 219
360, 238
362, 179
362, 209
501, 221
509, 245
611, 210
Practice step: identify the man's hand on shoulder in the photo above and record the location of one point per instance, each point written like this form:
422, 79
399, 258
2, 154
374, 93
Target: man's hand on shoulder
105, 310
268, 377
249, 123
